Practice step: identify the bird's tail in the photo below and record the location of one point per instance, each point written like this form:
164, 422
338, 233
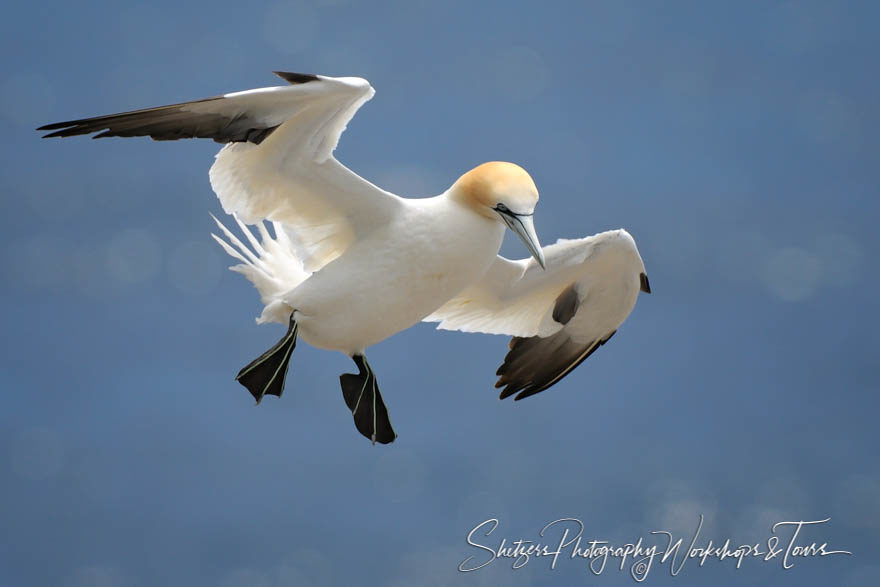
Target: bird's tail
272, 266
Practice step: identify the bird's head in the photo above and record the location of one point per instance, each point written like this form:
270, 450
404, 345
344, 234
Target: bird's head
503, 192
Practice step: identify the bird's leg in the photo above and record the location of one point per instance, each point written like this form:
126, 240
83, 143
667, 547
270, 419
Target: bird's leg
266, 374
361, 394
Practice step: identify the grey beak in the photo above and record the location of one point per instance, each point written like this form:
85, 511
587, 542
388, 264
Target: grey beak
524, 228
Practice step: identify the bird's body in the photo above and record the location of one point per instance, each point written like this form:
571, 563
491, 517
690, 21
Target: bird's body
351, 264
395, 277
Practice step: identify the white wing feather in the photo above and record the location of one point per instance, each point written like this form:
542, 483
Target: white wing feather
518, 297
292, 176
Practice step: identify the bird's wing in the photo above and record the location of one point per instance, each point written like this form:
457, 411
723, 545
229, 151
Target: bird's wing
278, 162
557, 316
518, 297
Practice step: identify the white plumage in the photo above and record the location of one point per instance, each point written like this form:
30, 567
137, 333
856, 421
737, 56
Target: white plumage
348, 264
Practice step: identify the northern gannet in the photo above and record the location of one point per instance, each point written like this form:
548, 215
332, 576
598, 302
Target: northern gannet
350, 264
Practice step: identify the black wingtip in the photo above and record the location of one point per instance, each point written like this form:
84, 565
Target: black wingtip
64, 129
52, 135
535, 364
529, 393
54, 126
643, 281
296, 78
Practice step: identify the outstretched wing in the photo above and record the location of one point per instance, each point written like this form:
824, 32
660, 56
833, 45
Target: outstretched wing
558, 316
278, 162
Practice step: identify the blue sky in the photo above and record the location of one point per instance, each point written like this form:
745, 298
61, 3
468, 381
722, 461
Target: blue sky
737, 142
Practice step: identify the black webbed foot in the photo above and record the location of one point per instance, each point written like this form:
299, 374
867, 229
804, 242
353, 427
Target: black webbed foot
361, 394
266, 374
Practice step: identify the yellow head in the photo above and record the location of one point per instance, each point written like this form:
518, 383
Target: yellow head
504, 192
497, 182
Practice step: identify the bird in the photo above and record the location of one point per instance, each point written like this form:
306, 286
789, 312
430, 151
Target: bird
348, 264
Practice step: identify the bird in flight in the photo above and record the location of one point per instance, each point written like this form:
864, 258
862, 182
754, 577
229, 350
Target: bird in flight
348, 264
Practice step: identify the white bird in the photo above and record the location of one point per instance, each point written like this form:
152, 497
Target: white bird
351, 264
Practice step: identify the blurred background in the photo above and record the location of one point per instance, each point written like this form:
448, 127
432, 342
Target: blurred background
737, 142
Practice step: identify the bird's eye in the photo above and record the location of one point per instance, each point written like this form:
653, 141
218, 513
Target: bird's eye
501, 207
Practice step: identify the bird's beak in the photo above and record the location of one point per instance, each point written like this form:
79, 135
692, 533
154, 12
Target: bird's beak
525, 230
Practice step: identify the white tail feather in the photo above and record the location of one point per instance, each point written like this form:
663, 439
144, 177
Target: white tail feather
273, 266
